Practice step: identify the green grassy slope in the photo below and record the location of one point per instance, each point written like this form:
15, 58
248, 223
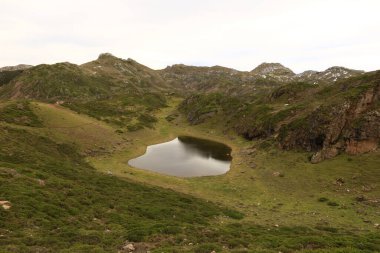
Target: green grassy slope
120, 92
59, 202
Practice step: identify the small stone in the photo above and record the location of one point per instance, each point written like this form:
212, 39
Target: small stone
361, 198
339, 181
129, 247
5, 204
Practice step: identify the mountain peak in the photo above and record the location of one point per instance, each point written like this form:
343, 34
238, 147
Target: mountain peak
17, 67
107, 56
272, 68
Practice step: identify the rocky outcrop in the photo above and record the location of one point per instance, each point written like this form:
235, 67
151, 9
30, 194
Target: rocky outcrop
351, 126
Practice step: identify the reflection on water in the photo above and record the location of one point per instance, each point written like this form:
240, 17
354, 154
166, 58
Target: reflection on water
186, 157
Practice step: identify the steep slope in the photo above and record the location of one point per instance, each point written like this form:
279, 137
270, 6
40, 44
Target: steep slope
326, 119
348, 120
8, 75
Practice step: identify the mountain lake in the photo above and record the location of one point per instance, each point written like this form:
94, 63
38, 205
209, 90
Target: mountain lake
186, 156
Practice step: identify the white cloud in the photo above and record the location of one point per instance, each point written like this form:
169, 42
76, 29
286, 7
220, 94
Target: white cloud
301, 34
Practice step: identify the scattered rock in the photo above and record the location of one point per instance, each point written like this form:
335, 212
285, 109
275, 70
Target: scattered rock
361, 198
41, 182
277, 174
129, 247
339, 181
248, 151
5, 204
376, 225
324, 154
366, 188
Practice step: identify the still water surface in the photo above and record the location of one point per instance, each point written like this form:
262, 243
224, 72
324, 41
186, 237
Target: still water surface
186, 157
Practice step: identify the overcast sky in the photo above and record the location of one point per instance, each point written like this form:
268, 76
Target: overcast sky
300, 34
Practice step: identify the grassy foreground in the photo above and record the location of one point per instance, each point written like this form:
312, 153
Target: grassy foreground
270, 201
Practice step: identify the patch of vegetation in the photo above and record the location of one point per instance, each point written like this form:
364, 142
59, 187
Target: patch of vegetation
207, 248
323, 199
117, 111
61, 81
135, 127
147, 120
290, 91
332, 203
233, 214
19, 113
7, 76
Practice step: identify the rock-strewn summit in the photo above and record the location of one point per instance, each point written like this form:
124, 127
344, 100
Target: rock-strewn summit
273, 70
330, 75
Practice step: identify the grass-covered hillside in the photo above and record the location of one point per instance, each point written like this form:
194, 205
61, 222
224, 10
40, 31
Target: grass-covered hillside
68, 131
120, 92
60, 203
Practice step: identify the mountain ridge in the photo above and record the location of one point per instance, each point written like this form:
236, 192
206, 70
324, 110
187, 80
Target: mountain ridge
124, 91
